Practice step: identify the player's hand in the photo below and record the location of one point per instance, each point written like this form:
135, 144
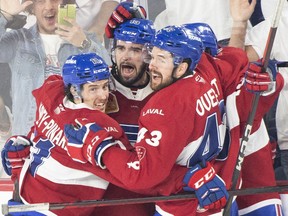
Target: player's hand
123, 12
87, 141
257, 81
14, 153
209, 188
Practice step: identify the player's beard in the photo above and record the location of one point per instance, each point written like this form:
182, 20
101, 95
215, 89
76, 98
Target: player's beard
162, 84
132, 81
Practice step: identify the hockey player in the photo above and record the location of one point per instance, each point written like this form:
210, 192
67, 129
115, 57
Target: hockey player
130, 72
258, 149
207, 35
132, 92
128, 36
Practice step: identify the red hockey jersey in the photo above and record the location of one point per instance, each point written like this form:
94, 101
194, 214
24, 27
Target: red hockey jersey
178, 125
50, 175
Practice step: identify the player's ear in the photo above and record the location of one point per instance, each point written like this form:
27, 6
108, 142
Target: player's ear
181, 69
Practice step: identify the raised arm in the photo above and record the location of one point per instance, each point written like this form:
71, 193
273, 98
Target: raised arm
13, 7
241, 11
101, 19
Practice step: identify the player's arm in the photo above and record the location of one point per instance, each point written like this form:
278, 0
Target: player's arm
10, 8
155, 151
157, 148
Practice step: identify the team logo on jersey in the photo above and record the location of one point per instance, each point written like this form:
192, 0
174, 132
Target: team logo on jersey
141, 151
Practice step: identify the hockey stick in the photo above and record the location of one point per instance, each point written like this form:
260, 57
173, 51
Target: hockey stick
248, 126
282, 64
6, 209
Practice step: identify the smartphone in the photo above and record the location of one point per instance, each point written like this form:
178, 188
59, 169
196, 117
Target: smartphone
67, 10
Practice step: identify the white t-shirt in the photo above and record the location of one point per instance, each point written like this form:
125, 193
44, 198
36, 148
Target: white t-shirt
257, 37
51, 44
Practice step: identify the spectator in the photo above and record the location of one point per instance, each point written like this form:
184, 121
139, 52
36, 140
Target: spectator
35, 53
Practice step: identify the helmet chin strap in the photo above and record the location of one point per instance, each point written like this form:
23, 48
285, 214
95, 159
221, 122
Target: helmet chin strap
75, 91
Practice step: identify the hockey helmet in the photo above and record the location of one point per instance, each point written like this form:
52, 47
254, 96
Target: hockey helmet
206, 34
83, 68
139, 31
181, 45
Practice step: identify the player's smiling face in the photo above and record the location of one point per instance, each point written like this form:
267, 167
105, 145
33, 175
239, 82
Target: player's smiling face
160, 68
46, 15
129, 61
95, 94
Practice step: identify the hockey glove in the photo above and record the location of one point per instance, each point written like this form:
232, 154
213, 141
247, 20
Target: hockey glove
260, 82
123, 12
14, 153
87, 141
209, 188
